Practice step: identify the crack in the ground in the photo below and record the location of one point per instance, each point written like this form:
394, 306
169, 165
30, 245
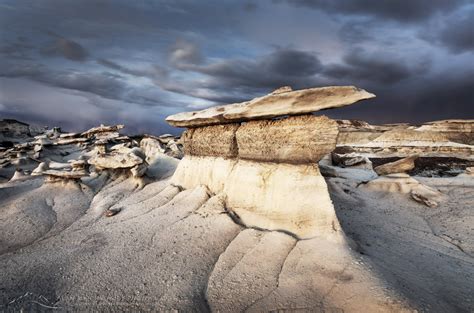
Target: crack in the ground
446, 238
188, 214
278, 281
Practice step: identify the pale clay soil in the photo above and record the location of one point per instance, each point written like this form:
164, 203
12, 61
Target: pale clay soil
170, 249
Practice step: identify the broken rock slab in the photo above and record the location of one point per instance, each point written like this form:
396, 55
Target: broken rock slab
403, 183
273, 105
400, 166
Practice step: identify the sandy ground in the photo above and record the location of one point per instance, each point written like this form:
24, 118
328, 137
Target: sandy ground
170, 249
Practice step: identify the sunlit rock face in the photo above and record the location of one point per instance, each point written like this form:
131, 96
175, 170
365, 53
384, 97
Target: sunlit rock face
266, 168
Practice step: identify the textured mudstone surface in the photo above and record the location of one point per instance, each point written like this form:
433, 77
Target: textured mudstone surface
217, 140
296, 139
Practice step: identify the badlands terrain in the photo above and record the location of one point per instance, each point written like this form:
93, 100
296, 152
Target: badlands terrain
258, 206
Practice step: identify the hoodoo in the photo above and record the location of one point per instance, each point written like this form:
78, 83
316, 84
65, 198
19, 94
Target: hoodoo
263, 154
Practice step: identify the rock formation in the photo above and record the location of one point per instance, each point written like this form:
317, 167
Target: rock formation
267, 168
279, 103
66, 156
435, 139
400, 166
460, 131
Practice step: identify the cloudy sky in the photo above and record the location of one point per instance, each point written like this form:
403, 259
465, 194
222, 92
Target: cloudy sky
80, 63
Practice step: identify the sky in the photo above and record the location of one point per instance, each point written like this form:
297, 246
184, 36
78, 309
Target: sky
76, 64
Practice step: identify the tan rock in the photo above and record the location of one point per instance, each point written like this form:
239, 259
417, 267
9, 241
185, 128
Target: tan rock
217, 140
273, 105
186, 138
400, 166
296, 139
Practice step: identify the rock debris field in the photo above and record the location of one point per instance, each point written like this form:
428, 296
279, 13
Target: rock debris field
265, 205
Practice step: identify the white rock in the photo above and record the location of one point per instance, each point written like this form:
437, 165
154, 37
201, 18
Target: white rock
274, 196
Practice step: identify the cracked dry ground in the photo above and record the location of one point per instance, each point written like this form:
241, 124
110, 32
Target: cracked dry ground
170, 249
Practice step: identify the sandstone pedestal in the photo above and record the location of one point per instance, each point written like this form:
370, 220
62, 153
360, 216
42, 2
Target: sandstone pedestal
265, 168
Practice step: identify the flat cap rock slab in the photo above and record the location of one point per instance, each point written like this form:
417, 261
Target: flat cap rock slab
102, 129
296, 139
273, 105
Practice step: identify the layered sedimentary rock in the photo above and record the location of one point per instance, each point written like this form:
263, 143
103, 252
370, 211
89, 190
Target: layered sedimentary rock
299, 139
266, 169
460, 131
449, 138
279, 103
217, 140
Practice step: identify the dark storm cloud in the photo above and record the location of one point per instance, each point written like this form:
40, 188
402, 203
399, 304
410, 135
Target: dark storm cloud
444, 95
104, 84
456, 32
404, 11
376, 67
152, 71
100, 84
250, 6
183, 53
137, 62
66, 48
17, 48
273, 70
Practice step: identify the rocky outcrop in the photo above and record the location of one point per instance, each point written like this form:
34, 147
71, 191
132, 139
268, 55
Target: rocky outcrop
460, 131
66, 156
280, 103
400, 166
450, 138
265, 169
